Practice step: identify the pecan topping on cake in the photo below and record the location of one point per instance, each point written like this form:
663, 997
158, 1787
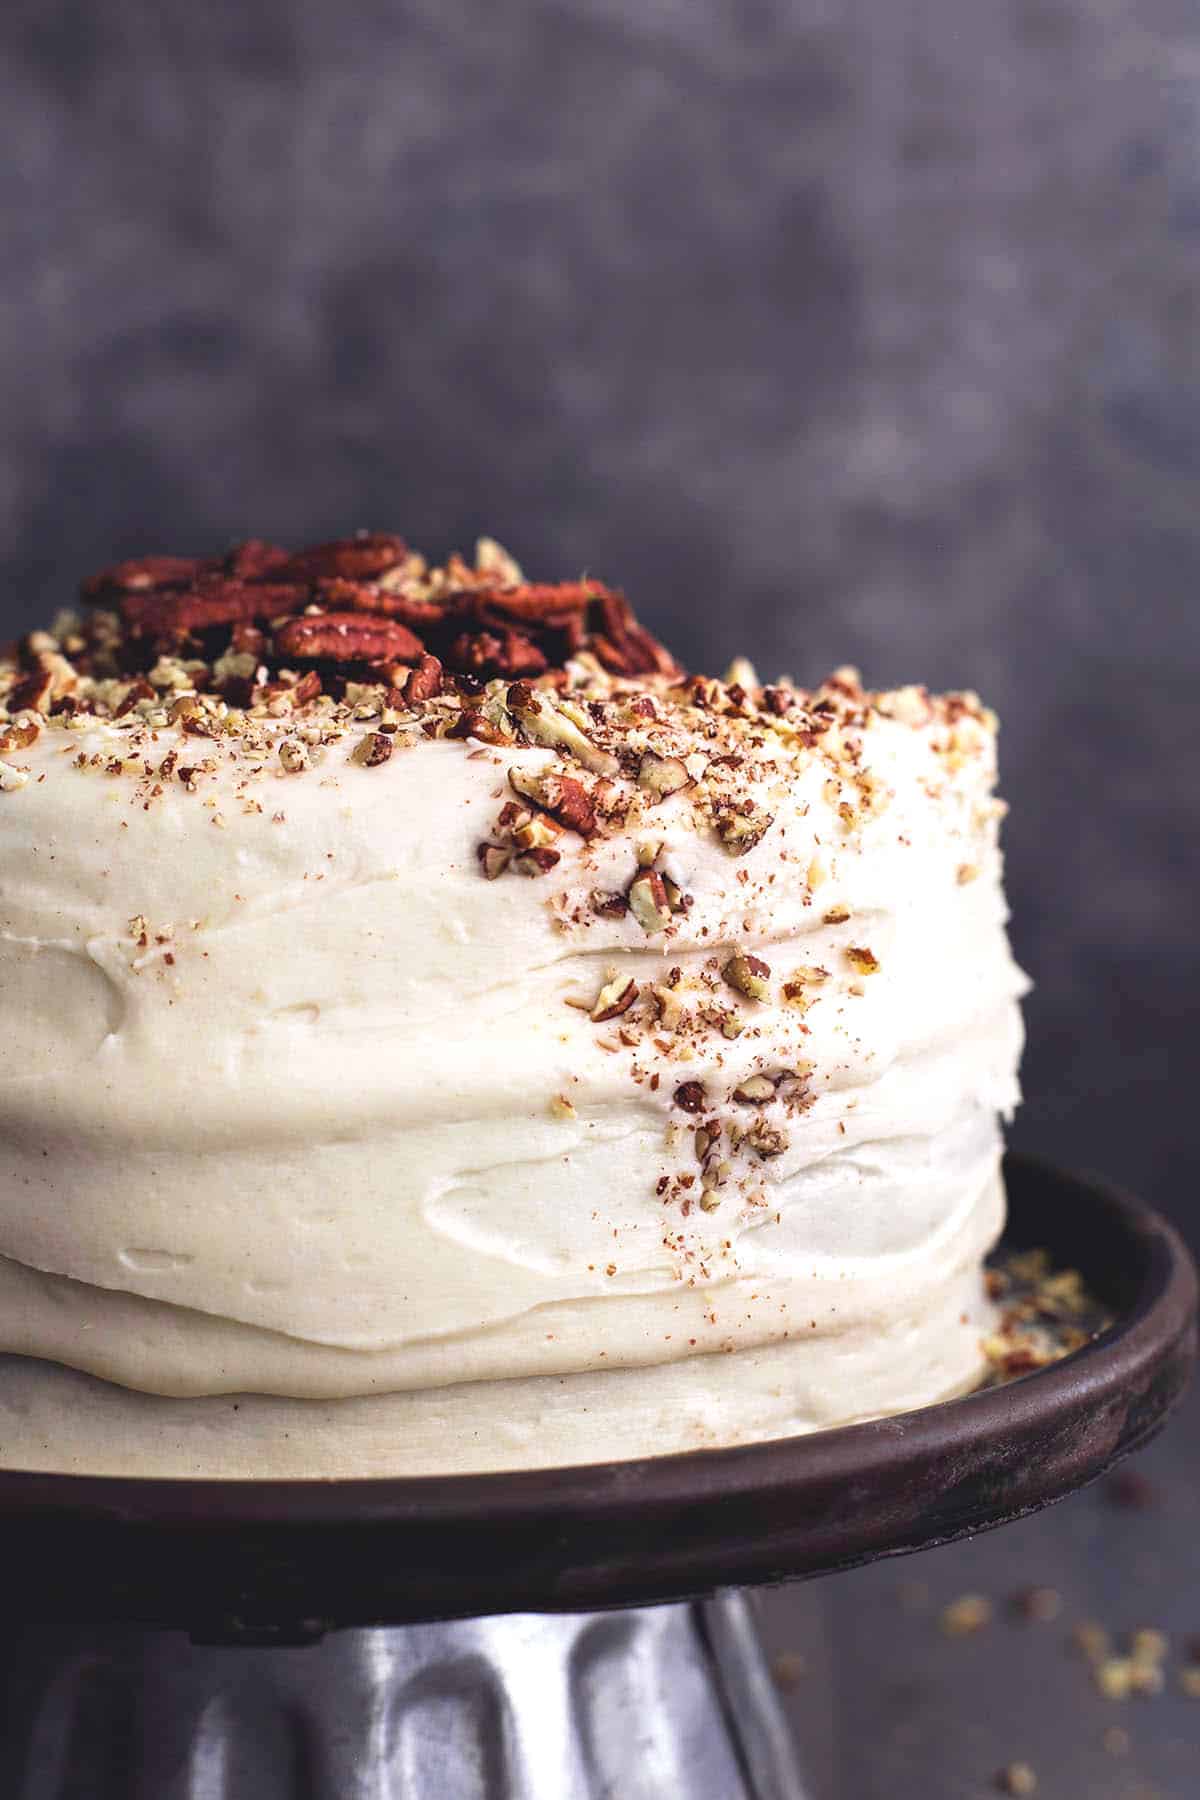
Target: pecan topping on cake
368, 600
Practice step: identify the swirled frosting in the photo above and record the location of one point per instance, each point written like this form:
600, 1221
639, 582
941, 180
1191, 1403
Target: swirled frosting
325, 1152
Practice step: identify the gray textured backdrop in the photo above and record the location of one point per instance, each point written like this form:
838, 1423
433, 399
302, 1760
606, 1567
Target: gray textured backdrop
837, 330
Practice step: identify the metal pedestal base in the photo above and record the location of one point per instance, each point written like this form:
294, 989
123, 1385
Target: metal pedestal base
631, 1705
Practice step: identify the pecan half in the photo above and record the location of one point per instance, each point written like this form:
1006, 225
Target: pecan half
254, 558
354, 559
215, 602
142, 574
346, 637
537, 602
340, 594
422, 615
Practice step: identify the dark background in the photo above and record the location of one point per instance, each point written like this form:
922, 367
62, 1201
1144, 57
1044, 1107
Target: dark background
838, 330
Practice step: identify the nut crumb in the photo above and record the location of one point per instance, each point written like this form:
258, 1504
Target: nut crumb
787, 1669
1038, 1604
966, 1615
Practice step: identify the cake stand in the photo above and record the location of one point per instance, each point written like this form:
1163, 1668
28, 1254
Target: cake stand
479, 1637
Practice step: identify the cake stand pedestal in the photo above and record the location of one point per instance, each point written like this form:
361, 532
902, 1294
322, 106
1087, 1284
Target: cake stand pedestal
647, 1703
496, 1637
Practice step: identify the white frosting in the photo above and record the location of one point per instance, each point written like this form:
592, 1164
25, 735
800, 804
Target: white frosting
312, 1144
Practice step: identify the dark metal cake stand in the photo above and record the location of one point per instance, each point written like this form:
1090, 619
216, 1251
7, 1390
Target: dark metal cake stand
372, 1640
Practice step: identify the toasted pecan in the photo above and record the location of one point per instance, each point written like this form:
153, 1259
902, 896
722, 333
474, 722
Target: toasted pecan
423, 682
537, 602
254, 558
346, 637
351, 559
486, 654
217, 601
358, 600
143, 574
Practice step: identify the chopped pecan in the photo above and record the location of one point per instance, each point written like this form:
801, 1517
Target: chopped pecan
677, 900
423, 682
371, 750
648, 901
346, 637
535, 830
741, 826
292, 754
766, 1140
662, 775
248, 640
306, 689
690, 1095
545, 722
536, 862
473, 722
493, 859
137, 690
18, 736
621, 644
609, 906
749, 975
615, 997
483, 653
32, 693
755, 1090
562, 796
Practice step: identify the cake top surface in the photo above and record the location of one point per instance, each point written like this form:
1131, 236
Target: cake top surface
179, 666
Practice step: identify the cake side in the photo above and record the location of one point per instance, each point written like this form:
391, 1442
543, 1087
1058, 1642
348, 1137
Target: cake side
377, 1028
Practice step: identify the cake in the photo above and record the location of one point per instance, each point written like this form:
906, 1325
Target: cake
441, 1035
